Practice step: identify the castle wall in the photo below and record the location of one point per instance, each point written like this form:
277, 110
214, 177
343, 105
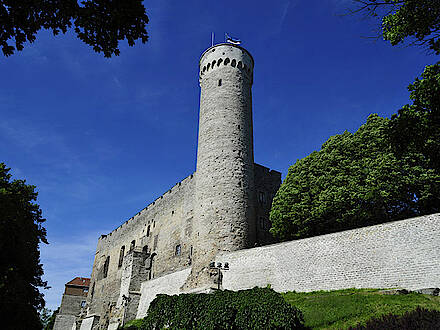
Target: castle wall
267, 183
169, 219
64, 322
403, 254
400, 254
168, 284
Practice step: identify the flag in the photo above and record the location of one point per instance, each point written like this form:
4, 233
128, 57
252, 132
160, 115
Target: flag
232, 40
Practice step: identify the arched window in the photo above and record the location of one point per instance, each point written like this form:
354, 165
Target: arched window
227, 60
148, 231
121, 256
219, 62
209, 65
132, 245
239, 65
234, 63
204, 68
220, 82
213, 63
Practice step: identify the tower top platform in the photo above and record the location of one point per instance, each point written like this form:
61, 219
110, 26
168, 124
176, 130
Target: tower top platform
225, 44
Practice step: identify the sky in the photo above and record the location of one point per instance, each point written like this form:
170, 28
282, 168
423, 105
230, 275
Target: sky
102, 138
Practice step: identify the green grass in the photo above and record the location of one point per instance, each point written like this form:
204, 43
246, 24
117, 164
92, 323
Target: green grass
343, 308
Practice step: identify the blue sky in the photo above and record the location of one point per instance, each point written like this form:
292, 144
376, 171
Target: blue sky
102, 138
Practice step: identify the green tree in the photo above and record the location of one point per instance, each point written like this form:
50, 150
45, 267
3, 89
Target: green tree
48, 321
416, 20
355, 180
21, 231
416, 127
99, 23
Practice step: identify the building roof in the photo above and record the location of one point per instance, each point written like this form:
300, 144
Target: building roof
79, 281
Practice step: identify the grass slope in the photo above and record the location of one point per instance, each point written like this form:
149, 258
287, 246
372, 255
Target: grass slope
343, 308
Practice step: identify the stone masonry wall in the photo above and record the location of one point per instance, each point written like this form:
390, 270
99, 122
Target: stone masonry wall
267, 183
400, 254
168, 284
157, 229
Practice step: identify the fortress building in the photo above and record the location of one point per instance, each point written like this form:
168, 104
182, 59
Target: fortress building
220, 214
222, 207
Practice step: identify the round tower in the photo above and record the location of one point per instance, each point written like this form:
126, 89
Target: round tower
224, 206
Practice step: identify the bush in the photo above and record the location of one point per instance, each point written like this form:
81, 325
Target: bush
247, 309
419, 318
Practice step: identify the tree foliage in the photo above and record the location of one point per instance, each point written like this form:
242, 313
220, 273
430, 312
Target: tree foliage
20, 270
258, 308
416, 127
418, 20
387, 170
99, 23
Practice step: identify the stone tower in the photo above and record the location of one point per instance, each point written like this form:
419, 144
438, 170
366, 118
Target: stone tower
224, 206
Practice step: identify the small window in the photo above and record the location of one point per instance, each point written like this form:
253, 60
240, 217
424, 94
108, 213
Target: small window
121, 255
106, 263
239, 65
234, 63
261, 197
132, 245
148, 231
83, 304
227, 60
85, 290
178, 250
239, 127
220, 82
219, 61
213, 63
145, 249
209, 65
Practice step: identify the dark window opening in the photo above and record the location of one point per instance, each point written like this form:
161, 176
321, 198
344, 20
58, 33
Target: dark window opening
238, 126
121, 256
227, 60
106, 263
220, 82
234, 63
178, 250
148, 231
219, 62
261, 197
83, 304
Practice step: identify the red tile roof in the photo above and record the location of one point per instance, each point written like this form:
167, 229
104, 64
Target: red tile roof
80, 281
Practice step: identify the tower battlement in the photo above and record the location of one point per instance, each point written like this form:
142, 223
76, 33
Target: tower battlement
224, 55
